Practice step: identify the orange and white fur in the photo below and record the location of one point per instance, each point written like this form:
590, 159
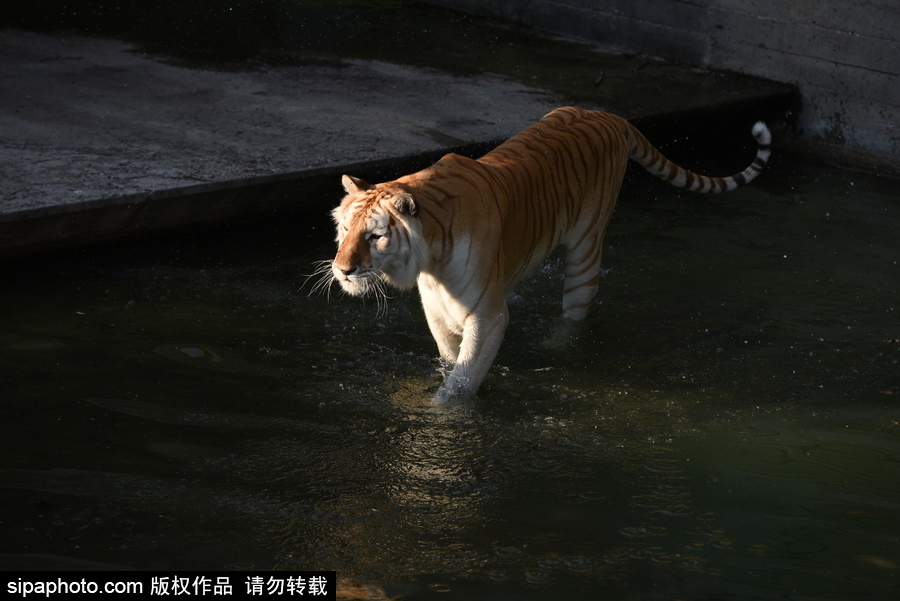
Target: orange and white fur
466, 230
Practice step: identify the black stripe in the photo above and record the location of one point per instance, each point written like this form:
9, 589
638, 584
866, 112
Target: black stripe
672, 169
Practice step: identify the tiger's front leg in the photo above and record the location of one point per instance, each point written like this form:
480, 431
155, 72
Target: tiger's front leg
469, 338
481, 339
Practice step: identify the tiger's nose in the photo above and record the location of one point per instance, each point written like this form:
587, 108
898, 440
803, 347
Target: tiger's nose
346, 271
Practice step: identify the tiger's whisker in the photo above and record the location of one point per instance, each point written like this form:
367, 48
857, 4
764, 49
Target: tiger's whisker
381, 296
320, 268
326, 279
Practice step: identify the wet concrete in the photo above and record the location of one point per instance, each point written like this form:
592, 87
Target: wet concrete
100, 139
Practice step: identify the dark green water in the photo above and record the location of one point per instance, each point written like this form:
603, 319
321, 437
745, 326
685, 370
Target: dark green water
726, 427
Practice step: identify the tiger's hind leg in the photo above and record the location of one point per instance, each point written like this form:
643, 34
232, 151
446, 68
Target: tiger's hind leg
581, 284
582, 281
584, 243
582, 276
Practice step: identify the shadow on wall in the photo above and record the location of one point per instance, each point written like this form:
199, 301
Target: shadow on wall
841, 54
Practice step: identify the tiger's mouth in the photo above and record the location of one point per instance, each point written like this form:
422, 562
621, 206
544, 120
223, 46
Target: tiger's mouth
358, 283
357, 286
364, 282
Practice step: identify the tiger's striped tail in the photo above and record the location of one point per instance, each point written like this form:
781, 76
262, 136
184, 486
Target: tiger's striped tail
642, 151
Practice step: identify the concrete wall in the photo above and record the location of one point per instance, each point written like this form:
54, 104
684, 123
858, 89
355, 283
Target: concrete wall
843, 55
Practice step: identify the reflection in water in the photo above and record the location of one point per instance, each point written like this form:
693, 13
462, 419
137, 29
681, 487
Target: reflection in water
826, 488
35, 345
724, 427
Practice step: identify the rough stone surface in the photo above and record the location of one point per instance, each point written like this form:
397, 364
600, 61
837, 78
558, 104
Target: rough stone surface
84, 118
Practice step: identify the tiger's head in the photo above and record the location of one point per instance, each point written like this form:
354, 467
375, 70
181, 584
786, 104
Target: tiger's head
378, 236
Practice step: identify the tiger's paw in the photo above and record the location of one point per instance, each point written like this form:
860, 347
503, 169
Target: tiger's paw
446, 396
565, 334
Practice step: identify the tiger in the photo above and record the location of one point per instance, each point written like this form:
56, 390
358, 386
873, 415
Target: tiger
465, 231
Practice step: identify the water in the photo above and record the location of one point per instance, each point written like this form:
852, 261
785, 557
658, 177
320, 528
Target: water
725, 427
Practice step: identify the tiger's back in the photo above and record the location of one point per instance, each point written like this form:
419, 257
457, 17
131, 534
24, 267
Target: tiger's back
560, 180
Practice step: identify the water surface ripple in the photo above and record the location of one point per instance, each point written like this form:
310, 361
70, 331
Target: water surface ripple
725, 426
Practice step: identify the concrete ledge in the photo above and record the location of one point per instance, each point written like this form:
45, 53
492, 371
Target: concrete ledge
101, 141
86, 222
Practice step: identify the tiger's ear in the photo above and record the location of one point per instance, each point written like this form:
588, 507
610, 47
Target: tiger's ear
406, 204
352, 185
